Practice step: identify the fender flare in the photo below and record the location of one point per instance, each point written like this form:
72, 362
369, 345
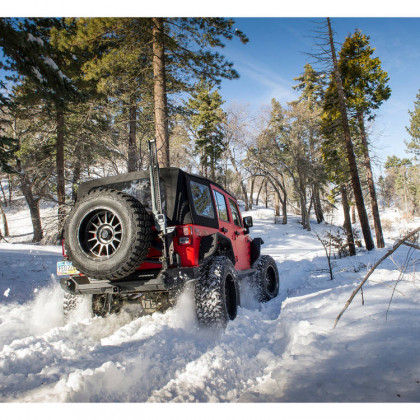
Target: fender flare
256, 249
216, 244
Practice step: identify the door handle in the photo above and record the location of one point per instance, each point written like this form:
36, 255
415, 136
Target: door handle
223, 229
237, 233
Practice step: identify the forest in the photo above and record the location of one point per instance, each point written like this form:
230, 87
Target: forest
81, 97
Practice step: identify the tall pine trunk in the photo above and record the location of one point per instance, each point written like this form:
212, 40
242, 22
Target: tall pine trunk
371, 185
61, 193
132, 149
347, 221
159, 88
76, 171
361, 210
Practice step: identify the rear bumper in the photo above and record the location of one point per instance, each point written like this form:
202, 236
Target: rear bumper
160, 280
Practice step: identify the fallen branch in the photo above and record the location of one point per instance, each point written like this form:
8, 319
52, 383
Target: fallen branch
390, 252
409, 244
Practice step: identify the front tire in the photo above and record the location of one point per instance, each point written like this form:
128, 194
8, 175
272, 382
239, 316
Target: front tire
217, 292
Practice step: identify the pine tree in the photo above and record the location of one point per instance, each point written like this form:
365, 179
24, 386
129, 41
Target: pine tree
206, 121
342, 108
311, 84
45, 74
365, 87
414, 129
118, 65
182, 49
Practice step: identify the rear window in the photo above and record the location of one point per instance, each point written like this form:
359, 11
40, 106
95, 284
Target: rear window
202, 199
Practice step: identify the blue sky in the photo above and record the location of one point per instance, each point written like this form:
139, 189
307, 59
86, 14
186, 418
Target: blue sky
277, 47
276, 54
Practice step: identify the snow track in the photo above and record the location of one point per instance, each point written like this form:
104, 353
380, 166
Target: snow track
282, 350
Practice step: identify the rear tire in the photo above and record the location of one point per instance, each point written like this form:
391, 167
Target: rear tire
266, 279
216, 292
108, 234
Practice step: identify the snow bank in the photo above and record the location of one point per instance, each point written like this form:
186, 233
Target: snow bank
284, 350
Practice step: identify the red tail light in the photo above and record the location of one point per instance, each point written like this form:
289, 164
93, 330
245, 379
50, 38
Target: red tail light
186, 236
63, 249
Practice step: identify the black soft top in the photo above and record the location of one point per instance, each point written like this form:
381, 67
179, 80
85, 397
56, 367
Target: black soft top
175, 191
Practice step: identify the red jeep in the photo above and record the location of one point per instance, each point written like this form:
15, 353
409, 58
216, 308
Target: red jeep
142, 236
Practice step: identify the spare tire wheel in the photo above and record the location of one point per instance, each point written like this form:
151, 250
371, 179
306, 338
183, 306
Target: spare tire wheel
108, 234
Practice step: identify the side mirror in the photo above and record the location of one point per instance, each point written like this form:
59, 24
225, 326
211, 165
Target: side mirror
248, 222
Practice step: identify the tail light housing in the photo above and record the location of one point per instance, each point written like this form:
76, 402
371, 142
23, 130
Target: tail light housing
185, 236
63, 249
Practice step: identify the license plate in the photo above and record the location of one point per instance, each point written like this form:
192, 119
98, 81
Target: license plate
65, 268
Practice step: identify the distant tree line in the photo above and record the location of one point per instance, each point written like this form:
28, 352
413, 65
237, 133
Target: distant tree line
83, 96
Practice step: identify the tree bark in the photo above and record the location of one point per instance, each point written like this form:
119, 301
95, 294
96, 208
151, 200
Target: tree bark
361, 210
276, 204
5, 225
266, 194
4, 194
251, 194
132, 149
61, 193
9, 179
33, 204
76, 173
317, 205
259, 191
347, 222
159, 88
353, 215
380, 243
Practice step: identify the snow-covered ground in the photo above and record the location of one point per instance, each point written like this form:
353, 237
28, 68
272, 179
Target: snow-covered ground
284, 350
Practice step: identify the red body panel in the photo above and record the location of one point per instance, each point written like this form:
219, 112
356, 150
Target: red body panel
189, 252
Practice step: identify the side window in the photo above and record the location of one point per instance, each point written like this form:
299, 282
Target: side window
221, 206
202, 200
235, 213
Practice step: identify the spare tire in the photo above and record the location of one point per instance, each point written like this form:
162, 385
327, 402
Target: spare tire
108, 234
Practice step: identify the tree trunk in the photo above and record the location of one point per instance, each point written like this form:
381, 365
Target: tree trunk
276, 204
371, 185
251, 194
5, 225
317, 205
361, 210
9, 179
33, 204
353, 214
266, 194
132, 149
159, 88
76, 174
347, 222
259, 191
61, 193
4, 194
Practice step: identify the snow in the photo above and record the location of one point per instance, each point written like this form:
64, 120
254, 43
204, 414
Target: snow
35, 39
284, 350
